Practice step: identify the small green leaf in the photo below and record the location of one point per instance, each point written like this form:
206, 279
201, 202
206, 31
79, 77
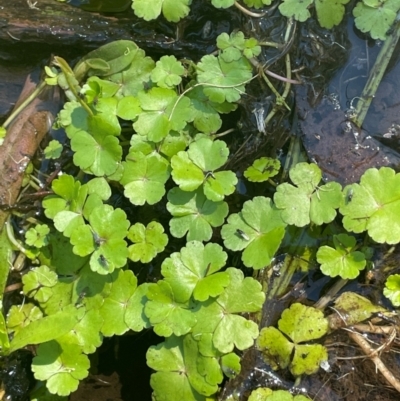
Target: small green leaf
307, 202
376, 20
166, 314
115, 304
194, 271
197, 166
374, 205
222, 3
296, 8
342, 260
148, 241
45, 329
98, 154
37, 236
299, 323
173, 10
53, 150
303, 323
392, 289
61, 365
258, 228
330, 13
223, 81
235, 45
207, 113
221, 318
194, 214
262, 169
144, 177
168, 72
21, 315
162, 111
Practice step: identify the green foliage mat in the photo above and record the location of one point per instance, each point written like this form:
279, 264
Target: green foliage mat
81, 287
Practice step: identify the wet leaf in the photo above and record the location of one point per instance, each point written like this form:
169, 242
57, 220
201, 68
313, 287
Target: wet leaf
37, 236
21, 315
233, 46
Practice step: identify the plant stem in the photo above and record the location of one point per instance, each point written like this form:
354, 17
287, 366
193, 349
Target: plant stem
375, 76
25, 103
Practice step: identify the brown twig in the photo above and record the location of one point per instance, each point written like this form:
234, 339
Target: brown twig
373, 355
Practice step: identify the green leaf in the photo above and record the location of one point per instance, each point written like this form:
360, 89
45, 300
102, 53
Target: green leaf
296, 8
330, 13
221, 317
374, 206
62, 365
45, 329
376, 20
162, 111
128, 108
98, 154
233, 46
392, 289
303, 323
223, 81
144, 177
115, 304
38, 282
106, 60
194, 271
257, 3
168, 72
173, 10
178, 376
258, 228
307, 202
194, 215
134, 317
342, 260
166, 314
86, 333
133, 79
37, 236
148, 241
352, 308
197, 166
53, 150
68, 195
21, 315
262, 169
207, 113
300, 323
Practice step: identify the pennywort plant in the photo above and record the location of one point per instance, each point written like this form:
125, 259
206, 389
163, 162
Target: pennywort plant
148, 130
372, 16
